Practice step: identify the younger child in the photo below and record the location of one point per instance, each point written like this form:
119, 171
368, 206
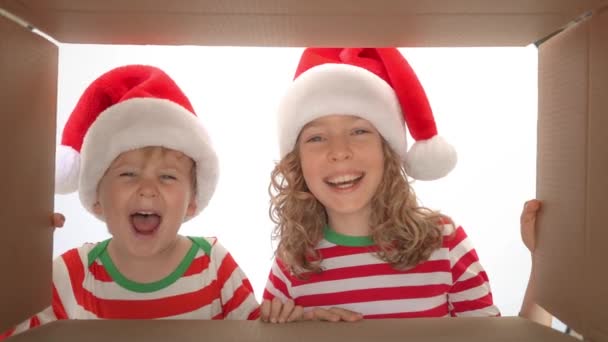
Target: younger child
142, 163
353, 241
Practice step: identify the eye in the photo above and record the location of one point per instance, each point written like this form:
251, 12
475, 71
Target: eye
168, 177
359, 131
127, 174
314, 138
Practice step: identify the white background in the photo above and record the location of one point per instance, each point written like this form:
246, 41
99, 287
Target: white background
485, 104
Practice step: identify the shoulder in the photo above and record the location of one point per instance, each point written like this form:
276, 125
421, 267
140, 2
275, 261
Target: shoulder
453, 234
76, 261
82, 253
210, 245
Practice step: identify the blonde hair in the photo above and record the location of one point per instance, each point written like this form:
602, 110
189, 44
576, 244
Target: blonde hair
404, 232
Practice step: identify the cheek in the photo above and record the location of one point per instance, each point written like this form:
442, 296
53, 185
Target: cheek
309, 170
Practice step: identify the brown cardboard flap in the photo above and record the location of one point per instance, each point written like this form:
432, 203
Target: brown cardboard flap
504, 329
561, 172
28, 91
572, 176
301, 23
596, 234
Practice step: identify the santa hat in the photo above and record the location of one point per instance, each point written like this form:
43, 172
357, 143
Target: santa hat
127, 108
376, 84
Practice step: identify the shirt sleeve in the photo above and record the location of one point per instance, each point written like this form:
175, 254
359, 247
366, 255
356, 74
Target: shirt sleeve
470, 294
278, 284
237, 297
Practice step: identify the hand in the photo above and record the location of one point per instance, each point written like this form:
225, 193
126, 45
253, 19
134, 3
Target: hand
528, 223
333, 315
58, 220
276, 311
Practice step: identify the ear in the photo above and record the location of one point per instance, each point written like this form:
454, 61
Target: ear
191, 209
97, 209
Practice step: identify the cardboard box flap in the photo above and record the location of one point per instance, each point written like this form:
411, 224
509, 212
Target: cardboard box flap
596, 235
301, 23
572, 168
28, 91
419, 329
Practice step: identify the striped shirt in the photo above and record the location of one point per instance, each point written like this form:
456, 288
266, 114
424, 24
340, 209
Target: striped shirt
207, 284
451, 283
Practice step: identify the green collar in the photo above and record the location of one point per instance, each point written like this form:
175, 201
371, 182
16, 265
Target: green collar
346, 240
100, 251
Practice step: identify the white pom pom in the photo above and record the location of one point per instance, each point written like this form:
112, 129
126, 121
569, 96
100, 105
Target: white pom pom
430, 159
67, 168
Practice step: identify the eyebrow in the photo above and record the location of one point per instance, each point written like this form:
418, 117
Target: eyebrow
310, 125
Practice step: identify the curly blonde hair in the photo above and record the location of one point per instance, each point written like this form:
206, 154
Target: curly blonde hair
405, 233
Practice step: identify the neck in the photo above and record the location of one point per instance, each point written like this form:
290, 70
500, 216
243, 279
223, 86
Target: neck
355, 224
148, 269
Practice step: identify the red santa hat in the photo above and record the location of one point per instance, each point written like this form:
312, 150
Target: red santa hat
127, 108
376, 84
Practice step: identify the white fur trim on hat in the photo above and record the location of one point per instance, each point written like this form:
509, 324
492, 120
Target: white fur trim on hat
142, 122
430, 159
67, 167
340, 89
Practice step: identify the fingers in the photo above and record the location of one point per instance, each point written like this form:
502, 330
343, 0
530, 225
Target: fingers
347, 315
58, 220
286, 310
296, 314
528, 224
333, 315
530, 211
533, 205
319, 314
265, 310
276, 311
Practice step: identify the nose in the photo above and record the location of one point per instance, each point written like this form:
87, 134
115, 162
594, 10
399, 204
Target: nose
147, 189
340, 150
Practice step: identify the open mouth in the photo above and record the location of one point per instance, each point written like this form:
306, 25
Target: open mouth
145, 222
344, 181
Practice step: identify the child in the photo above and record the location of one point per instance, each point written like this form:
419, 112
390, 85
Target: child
353, 241
143, 164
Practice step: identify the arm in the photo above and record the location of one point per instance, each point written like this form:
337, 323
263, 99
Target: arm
529, 308
238, 300
279, 305
470, 294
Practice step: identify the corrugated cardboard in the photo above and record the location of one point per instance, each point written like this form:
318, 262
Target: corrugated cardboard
28, 88
301, 23
573, 81
572, 170
416, 330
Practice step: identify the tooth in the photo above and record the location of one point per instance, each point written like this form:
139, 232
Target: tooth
343, 178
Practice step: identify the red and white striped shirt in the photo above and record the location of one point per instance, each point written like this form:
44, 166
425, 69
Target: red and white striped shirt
208, 284
451, 283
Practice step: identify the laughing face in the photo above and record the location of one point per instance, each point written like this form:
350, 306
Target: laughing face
144, 197
342, 163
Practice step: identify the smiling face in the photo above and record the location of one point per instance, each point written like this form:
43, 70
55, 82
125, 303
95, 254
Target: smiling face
342, 163
144, 197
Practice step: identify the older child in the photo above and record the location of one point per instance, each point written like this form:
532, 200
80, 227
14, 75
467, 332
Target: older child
143, 164
353, 241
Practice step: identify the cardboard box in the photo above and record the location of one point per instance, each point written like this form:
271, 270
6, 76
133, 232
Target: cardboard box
572, 144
